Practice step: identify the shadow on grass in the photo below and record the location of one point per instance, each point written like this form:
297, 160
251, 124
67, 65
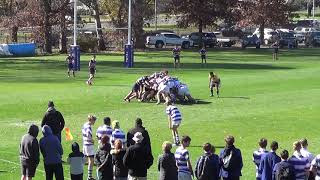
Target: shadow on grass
235, 97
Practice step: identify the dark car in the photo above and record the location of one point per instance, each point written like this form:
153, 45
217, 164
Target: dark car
287, 39
251, 40
313, 39
208, 39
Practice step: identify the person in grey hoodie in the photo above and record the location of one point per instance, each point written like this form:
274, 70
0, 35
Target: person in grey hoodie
52, 151
54, 119
29, 153
76, 160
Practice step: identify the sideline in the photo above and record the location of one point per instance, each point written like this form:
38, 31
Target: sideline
14, 163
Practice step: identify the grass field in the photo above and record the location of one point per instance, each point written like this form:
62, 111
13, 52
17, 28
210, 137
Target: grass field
259, 98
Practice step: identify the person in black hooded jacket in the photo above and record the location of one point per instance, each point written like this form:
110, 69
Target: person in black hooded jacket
139, 128
103, 160
29, 153
54, 120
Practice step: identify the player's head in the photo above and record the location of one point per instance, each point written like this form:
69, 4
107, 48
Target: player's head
105, 139
207, 147
274, 145
115, 124
304, 142
263, 143
138, 122
185, 141
284, 154
118, 144
211, 73
296, 146
229, 140
92, 119
107, 121
50, 104
75, 147
166, 146
165, 72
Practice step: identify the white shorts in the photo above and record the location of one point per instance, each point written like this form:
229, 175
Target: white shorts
88, 150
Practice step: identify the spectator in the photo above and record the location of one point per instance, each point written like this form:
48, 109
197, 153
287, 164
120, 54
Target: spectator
76, 161
300, 164
231, 160
88, 143
29, 153
54, 120
51, 150
268, 162
117, 134
105, 129
283, 170
183, 160
208, 167
120, 171
137, 159
139, 128
167, 163
103, 160
258, 154
305, 153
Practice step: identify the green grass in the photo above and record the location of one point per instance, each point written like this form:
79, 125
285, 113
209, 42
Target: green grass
260, 98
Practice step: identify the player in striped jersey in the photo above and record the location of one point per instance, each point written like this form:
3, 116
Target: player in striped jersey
105, 129
315, 167
118, 134
174, 119
88, 143
300, 164
183, 160
258, 154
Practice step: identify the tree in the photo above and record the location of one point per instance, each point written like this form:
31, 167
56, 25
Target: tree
265, 13
201, 13
118, 13
94, 5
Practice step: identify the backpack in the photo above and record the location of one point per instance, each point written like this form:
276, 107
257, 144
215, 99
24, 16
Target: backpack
201, 166
283, 173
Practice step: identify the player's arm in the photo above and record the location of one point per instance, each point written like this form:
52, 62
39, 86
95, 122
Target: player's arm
190, 167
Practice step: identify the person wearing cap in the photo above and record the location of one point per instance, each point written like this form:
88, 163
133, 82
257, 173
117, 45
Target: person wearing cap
137, 159
105, 129
88, 143
29, 153
54, 120
139, 128
118, 134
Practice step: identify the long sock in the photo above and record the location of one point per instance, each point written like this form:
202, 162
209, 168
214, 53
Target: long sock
211, 90
218, 92
177, 139
89, 172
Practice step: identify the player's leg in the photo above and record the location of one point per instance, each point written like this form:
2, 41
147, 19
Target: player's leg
175, 129
179, 65
90, 167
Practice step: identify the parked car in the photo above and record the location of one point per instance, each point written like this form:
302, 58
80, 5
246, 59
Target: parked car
223, 41
251, 40
300, 37
287, 39
313, 39
166, 38
208, 39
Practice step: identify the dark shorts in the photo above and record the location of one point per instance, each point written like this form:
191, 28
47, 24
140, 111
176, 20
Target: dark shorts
28, 170
203, 56
275, 50
70, 66
214, 84
176, 58
136, 87
92, 70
